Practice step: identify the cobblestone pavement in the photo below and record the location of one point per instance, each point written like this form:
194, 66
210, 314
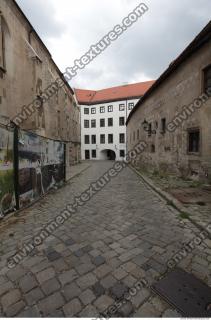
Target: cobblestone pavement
123, 234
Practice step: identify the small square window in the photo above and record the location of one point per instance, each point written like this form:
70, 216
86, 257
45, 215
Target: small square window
110, 122
110, 108
86, 123
194, 141
102, 123
86, 139
93, 123
122, 107
93, 110
122, 121
86, 110
122, 153
110, 138
130, 106
94, 154
102, 109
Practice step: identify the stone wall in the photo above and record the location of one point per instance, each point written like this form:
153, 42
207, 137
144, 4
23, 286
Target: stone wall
28, 69
168, 151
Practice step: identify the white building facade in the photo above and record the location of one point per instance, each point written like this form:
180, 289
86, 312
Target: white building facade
103, 123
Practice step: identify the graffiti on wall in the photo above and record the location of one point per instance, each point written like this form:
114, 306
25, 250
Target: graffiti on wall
7, 194
41, 166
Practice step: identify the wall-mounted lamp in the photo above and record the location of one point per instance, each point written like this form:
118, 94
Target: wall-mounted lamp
148, 127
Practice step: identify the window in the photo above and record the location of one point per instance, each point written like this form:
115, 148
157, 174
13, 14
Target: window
130, 106
152, 148
93, 123
102, 109
149, 129
86, 123
134, 136
87, 154
194, 141
86, 139
163, 125
121, 138
138, 134
102, 138
93, 139
122, 153
110, 122
102, 123
86, 110
110, 108
94, 154
207, 78
110, 138
122, 121
93, 110
121, 107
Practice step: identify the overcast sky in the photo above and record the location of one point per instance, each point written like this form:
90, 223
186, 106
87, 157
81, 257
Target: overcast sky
143, 52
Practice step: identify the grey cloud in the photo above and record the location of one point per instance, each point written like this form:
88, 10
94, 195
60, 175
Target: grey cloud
42, 16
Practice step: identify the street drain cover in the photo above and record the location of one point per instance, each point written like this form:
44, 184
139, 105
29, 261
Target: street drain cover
189, 295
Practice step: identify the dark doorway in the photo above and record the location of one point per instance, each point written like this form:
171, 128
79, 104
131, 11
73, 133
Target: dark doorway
111, 155
87, 154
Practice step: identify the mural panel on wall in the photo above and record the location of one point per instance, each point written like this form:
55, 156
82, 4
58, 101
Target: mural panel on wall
7, 194
41, 166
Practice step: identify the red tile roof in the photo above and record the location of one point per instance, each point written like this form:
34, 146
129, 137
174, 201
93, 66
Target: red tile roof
135, 90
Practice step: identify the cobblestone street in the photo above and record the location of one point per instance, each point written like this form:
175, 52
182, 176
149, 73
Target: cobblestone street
124, 234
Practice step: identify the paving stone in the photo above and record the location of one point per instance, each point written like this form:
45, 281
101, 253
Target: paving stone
53, 255
71, 291
78, 253
102, 271
171, 313
51, 286
86, 281
98, 289
34, 296
27, 283
87, 297
51, 303
87, 248
5, 287
60, 265
118, 290
120, 273
16, 273
129, 266
69, 242
140, 260
72, 308
126, 310
14, 309
147, 310
89, 312
108, 282
98, 260
68, 276
103, 302
140, 297
45, 275
129, 281
85, 268
32, 312
10, 298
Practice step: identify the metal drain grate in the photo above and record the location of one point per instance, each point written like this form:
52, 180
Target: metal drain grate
189, 295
